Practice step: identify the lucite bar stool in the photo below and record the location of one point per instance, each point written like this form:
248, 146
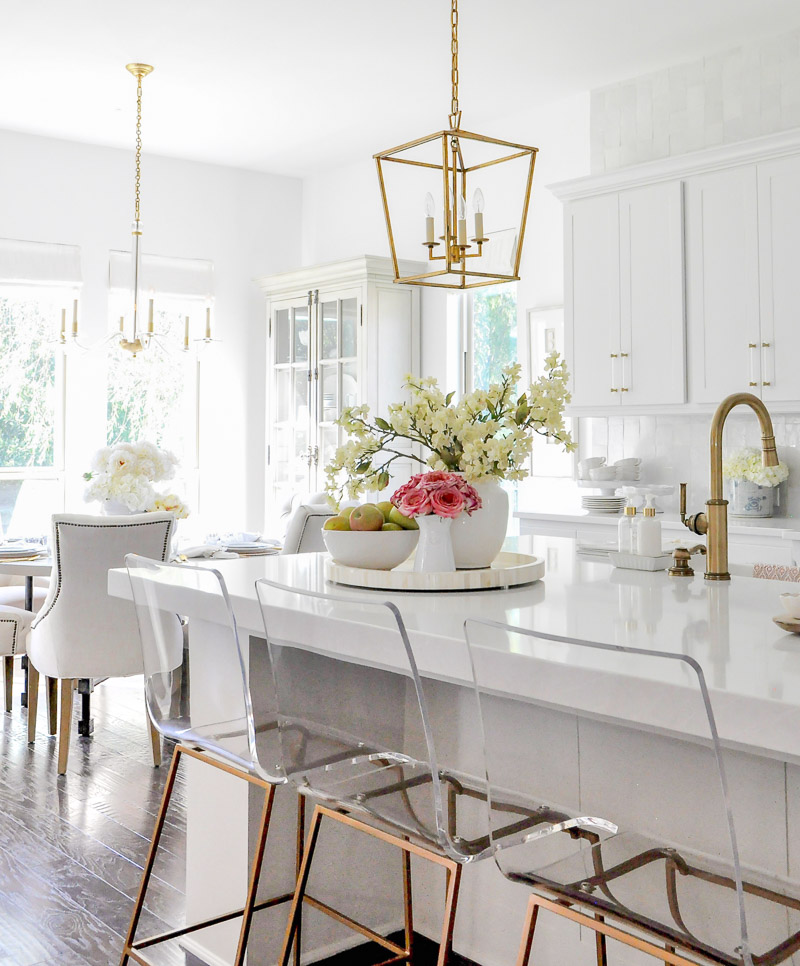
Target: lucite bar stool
368, 756
243, 743
663, 874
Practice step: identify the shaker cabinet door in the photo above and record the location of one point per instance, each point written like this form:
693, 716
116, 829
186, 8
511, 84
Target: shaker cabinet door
592, 300
722, 299
652, 333
779, 245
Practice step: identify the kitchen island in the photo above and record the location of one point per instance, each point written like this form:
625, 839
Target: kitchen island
753, 672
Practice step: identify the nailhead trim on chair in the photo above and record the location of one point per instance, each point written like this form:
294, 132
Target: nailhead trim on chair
94, 526
15, 622
310, 516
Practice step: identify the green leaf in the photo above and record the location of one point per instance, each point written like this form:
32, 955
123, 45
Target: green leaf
363, 466
382, 424
449, 398
383, 481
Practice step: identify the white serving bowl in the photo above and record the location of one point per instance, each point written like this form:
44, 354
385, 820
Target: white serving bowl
370, 549
603, 473
791, 604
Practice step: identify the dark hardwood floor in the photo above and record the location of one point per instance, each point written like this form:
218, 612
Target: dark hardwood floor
72, 848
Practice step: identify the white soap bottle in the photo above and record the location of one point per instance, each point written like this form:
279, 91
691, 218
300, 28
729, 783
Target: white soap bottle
649, 531
627, 531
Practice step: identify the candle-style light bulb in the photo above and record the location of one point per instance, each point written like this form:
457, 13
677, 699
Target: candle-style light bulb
208, 323
430, 211
63, 325
75, 319
477, 204
150, 318
186, 334
462, 221
122, 324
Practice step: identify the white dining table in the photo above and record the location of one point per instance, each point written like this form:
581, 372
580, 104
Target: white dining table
752, 668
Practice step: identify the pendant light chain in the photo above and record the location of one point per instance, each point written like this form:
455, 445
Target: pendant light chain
138, 142
455, 113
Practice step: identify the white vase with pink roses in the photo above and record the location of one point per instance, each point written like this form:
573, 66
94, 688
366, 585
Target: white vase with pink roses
435, 500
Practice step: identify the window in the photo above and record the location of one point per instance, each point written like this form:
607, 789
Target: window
493, 332
31, 407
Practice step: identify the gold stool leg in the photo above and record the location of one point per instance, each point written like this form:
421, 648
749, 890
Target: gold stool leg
255, 874
301, 835
151, 855
531, 915
408, 905
453, 879
300, 888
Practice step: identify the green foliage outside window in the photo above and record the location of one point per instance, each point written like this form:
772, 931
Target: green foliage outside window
494, 333
27, 380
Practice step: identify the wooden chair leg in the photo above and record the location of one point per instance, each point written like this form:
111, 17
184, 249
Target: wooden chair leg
531, 915
8, 679
151, 854
65, 724
51, 701
33, 700
300, 889
453, 878
255, 874
155, 742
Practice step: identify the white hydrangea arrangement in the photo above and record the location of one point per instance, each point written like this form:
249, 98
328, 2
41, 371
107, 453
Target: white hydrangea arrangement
488, 433
745, 464
126, 472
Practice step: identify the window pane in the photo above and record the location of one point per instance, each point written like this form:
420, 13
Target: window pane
283, 398
494, 332
330, 330
28, 328
27, 505
283, 348
349, 327
330, 393
151, 396
349, 384
300, 334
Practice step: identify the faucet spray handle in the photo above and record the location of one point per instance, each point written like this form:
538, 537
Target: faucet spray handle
683, 502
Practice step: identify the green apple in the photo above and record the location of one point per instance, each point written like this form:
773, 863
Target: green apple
386, 507
336, 523
345, 511
366, 517
407, 523
391, 526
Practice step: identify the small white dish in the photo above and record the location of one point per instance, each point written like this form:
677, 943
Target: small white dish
603, 473
791, 604
591, 463
638, 561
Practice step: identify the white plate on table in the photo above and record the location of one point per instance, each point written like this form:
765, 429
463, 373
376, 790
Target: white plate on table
252, 549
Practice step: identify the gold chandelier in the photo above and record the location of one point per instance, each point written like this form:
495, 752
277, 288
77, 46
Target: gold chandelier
499, 170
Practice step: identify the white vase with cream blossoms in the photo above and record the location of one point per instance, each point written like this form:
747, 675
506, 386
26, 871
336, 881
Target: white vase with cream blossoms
487, 435
122, 477
751, 485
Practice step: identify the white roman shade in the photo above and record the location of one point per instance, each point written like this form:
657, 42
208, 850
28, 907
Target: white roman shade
39, 263
189, 277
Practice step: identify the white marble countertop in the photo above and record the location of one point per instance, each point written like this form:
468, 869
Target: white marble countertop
752, 667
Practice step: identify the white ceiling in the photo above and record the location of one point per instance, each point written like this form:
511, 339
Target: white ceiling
291, 86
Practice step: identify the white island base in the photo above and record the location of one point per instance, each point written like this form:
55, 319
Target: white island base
753, 670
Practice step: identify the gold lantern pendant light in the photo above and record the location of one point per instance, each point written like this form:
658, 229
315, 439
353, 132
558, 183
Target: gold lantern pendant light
138, 341
461, 159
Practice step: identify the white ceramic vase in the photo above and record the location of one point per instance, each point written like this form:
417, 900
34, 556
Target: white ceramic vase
748, 499
435, 548
114, 508
477, 539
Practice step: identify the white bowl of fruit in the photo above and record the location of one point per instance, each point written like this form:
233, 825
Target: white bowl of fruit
373, 536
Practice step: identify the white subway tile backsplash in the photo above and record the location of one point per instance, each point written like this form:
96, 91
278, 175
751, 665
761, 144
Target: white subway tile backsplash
674, 449
724, 97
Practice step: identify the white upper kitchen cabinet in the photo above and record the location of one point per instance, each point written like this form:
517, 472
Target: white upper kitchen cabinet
779, 259
722, 284
339, 335
624, 298
591, 303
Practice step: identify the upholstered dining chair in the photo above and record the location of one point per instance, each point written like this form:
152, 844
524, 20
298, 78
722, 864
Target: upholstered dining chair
666, 873
14, 625
304, 532
81, 632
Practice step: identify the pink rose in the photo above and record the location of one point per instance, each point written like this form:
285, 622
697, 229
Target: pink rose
416, 502
447, 501
435, 479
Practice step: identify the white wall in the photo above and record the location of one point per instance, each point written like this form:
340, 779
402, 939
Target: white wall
248, 224
343, 216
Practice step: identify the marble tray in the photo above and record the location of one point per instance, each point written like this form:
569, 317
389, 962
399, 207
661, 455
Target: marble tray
507, 570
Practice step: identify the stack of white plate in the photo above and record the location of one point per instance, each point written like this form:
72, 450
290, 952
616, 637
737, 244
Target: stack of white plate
252, 548
603, 504
21, 551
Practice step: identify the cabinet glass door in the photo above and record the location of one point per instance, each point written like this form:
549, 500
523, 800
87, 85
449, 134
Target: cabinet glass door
337, 371
290, 462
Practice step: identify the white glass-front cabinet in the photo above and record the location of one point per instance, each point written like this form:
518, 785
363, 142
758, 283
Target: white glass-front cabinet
339, 335
624, 298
